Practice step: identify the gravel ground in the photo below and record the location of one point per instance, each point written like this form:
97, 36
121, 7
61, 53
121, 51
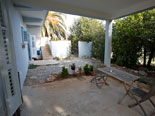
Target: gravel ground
48, 67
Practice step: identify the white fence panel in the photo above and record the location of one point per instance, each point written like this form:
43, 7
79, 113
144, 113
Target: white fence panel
60, 49
85, 48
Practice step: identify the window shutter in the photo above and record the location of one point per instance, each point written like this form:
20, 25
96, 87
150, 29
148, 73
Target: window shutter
8, 72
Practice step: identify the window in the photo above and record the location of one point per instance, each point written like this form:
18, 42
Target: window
33, 43
24, 35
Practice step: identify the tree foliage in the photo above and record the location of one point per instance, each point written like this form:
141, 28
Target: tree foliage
131, 35
87, 29
54, 26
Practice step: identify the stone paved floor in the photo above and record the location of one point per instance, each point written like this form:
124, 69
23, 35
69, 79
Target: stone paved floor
78, 97
47, 67
74, 96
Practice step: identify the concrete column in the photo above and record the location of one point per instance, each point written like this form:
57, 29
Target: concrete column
108, 41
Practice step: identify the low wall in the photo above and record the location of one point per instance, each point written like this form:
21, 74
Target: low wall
44, 41
60, 49
84, 48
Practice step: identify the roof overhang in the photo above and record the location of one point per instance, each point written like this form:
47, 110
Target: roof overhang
101, 9
32, 17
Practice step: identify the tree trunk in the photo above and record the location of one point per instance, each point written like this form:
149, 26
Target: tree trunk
144, 63
150, 58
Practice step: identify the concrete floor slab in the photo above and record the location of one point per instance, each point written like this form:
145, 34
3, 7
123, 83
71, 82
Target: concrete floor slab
78, 97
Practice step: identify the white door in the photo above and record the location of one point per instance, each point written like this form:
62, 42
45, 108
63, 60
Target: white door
8, 68
33, 46
29, 46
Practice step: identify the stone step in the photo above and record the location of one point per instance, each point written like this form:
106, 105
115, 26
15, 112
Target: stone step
46, 53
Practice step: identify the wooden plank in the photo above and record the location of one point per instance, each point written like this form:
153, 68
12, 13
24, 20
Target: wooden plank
119, 74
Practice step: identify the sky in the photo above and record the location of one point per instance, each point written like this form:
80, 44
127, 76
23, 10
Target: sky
70, 20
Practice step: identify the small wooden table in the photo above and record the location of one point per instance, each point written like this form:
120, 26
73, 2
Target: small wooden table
126, 78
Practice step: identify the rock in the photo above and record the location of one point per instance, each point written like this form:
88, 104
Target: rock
50, 78
143, 73
135, 71
33, 77
41, 81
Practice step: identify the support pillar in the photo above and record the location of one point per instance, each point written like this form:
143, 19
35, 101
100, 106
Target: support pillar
108, 43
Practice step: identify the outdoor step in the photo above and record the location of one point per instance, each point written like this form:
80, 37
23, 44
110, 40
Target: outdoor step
46, 54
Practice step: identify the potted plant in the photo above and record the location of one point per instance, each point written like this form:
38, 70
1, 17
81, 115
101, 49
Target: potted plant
91, 70
64, 73
73, 67
86, 69
80, 71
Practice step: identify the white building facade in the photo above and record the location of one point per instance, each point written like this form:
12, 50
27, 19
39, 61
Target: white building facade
19, 19
18, 26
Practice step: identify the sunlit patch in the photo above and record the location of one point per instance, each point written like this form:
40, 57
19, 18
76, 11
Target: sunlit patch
27, 101
61, 111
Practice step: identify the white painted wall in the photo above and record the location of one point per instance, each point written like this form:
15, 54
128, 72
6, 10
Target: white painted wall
44, 41
84, 48
37, 32
60, 49
21, 53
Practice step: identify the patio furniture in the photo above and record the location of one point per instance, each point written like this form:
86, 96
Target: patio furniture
126, 78
100, 80
144, 97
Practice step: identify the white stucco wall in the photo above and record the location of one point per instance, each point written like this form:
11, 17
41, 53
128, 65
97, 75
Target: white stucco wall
44, 41
60, 49
37, 32
21, 53
84, 48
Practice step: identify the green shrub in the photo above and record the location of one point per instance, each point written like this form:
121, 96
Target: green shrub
73, 67
86, 69
142, 80
56, 58
91, 68
64, 72
33, 66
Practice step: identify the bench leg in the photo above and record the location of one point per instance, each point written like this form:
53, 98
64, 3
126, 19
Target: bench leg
152, 102
99, 81
138, 103
105, 81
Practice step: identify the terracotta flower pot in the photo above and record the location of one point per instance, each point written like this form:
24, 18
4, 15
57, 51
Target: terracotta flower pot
23, 45
92, 73
103, 66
